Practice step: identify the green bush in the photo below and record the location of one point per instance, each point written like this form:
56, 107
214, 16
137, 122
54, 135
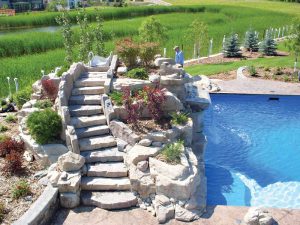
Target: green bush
3, 102
43, 104
252, 71
21, 97
138, 73
2, 211
117, 97
3, 128
3, 138
44, 126
179, 118
172, 152
21, 189
10, 118
147, 52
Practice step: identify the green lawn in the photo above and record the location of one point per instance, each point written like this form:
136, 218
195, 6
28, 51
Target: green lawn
209, 69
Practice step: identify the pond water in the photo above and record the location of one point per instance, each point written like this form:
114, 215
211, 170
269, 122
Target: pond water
253, 151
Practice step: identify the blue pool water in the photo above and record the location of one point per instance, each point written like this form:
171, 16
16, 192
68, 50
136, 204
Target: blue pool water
253, 151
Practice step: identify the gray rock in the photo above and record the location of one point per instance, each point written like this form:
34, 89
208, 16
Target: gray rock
159, 61
122, 131
157, 137
154, 78
28, 156
157, 144
164, 213
185, 215
53, 177
40, 174
70, 162
145, 142
140, 153
142, 166
121, 145
69, 200
71, 184
258, 216
43, 181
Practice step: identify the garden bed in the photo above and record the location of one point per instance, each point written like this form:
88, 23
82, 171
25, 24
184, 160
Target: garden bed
14, 206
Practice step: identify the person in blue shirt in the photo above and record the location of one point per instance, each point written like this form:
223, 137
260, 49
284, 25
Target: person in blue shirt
179, 57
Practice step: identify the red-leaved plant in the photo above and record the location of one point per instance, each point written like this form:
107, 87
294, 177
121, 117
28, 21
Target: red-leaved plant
155, 98
132, 107
13, 151
128, 51
50, 89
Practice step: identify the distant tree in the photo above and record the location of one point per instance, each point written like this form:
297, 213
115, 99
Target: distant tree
152, 30
197, 33
251, 41
85, 35
99, 37
293, 42
4, 6
268, 46
232, 46
64, 21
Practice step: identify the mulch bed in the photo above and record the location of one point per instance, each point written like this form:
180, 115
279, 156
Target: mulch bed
15, 208
145, 126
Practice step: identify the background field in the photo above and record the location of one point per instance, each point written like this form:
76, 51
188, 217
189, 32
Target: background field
23, 55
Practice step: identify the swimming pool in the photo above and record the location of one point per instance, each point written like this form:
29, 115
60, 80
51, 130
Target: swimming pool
253, 153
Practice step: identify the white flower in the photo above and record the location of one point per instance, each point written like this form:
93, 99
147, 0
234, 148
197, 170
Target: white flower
8, 78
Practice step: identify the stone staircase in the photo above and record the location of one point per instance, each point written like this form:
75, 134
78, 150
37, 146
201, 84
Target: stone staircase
105, 183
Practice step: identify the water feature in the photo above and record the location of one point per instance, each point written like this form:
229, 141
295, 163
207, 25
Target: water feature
253, 151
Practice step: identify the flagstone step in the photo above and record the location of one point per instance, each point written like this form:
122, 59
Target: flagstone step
89, 82
85, 110
102, 75
109, 200
103, 155
117, 169
85, 100
92, 143
86, 121
88, 91
105, 184
92, 131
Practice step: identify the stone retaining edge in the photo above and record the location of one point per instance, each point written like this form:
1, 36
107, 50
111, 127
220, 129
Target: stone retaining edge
42, 210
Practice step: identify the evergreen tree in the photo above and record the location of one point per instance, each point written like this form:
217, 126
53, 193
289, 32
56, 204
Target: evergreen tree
251, 41
232, 47
268, 45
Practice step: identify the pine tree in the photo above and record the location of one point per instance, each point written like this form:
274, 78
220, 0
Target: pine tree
251, 41
268, 45
231, 47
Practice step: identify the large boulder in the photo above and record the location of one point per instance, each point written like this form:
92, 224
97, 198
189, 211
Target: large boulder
258, 216
70, 162
172, 103
159, 61
69, 200
140, 153
122, 131
69, 182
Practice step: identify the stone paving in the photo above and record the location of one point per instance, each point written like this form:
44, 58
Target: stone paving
219, 215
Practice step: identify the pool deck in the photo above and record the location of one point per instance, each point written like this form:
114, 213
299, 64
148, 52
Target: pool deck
245, 85
216, 215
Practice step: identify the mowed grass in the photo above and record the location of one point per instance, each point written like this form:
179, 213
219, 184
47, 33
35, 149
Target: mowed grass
221, 21
210, 69
275, 6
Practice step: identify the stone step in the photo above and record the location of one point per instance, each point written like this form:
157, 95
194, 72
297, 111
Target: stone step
115, 169
85, 100
85, 110
89, 82
94, 75
105, 184
88, 91
87, 121
92, 143
109, 200
92, 131
103, 155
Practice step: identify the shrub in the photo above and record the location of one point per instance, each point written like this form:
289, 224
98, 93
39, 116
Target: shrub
132, 108
44, 126
13, 163
268, 45
147, 52
128, 51
50, 88
43, 104
117, 97
8, 145
3, 102
10, 118
152, 30
231, 47
278, 71
2, 211
3, 128
156, 97
21, 189
252, 71
3, 138
21, 97
179, 118
172, 152
138, 73
251, 41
